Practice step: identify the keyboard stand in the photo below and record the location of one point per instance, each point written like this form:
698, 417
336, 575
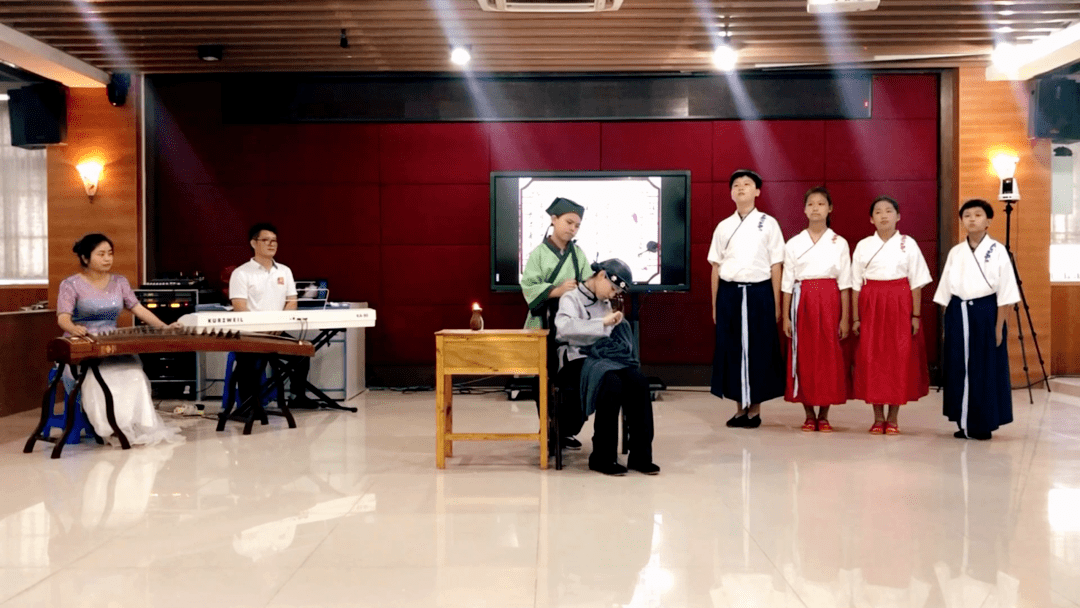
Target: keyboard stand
322, 399
281, 369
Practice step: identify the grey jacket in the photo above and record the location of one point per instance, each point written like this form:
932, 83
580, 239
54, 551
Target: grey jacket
580, 321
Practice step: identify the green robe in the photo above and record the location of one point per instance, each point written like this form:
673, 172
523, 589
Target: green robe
545, 269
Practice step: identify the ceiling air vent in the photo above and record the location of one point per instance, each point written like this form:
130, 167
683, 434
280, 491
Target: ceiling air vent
841, 6
550, 6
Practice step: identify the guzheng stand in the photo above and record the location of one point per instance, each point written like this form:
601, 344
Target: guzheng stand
88, 351
48, 399
487, 352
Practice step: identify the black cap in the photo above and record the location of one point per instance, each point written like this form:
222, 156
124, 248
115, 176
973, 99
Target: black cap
745, 173
564, 205
617, 272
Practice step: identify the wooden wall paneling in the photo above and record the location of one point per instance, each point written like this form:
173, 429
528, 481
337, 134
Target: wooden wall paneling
24, 370
15, 297
96, 131
993, 117
1065, 302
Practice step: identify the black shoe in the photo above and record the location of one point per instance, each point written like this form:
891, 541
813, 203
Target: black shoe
648, 468
753, 423
980, 436
612, 468
738, 421
571, 443
960, 434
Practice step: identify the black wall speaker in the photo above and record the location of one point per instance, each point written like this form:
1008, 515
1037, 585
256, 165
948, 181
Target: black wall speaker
1054, 111
117, 89
38, 115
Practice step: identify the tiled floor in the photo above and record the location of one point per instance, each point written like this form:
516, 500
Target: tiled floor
349, 510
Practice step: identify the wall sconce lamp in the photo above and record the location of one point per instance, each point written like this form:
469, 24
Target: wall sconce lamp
90, 173
1005, 167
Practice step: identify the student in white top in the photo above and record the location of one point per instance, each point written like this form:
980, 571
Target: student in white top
264, 284
746, 254
977, 287
888, 273
817, 283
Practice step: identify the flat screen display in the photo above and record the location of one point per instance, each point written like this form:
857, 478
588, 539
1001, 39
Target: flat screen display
640, 217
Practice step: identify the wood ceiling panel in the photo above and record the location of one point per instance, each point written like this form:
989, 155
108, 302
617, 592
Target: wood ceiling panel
414, 35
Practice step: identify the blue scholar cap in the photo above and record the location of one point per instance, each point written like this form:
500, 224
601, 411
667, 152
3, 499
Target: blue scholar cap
617, 272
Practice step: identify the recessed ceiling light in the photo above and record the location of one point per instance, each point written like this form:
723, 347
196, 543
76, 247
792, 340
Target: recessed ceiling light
210, 52
460, 55
725, 56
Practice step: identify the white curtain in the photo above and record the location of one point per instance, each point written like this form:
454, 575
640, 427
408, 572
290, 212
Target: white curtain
24, 239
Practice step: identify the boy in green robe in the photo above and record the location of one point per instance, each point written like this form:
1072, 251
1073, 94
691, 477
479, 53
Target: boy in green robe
554, 268
556, 265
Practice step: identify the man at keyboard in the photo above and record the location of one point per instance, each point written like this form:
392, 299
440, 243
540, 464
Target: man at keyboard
263, 284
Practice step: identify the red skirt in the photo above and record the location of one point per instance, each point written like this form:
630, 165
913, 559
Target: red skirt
817, 369
890, 363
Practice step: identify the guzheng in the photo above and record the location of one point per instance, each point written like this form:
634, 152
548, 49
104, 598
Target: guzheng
283, 320
144, 339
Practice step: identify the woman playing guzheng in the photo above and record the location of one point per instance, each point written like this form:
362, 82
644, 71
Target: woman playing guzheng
89, 303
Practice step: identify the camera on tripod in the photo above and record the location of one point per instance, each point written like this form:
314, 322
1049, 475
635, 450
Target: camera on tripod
1009, 193
1005, 167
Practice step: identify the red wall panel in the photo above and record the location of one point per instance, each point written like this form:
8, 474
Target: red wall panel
435, 274
545, 146
321, 154
325, 214
779, 150
701, 212
421, 214
851, 207
905, 96
646, 146
881, 150
398, 215
353, 272
434, 153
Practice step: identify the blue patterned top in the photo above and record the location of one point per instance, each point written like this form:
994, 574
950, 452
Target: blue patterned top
91, 307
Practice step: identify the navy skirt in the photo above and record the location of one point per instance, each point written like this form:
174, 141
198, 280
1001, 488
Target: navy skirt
978, 393
748, 363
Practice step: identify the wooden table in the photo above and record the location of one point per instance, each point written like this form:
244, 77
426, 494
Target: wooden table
485, 353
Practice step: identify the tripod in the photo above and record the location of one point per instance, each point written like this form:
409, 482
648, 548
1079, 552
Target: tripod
1027, 310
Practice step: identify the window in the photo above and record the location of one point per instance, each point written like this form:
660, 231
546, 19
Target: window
24, 241
1065, 214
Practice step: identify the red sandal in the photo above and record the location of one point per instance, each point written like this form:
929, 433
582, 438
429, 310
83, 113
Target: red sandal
824, 426
891, 428
878, 428
809, 426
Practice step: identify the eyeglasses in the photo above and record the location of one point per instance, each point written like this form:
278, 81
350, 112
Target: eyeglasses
268, 241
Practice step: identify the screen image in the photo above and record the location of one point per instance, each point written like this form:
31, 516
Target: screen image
622, 218
639, 217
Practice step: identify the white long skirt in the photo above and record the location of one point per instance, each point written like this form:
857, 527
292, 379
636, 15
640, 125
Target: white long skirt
132, 405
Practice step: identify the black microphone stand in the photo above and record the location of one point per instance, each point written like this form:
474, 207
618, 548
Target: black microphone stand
1027, 311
